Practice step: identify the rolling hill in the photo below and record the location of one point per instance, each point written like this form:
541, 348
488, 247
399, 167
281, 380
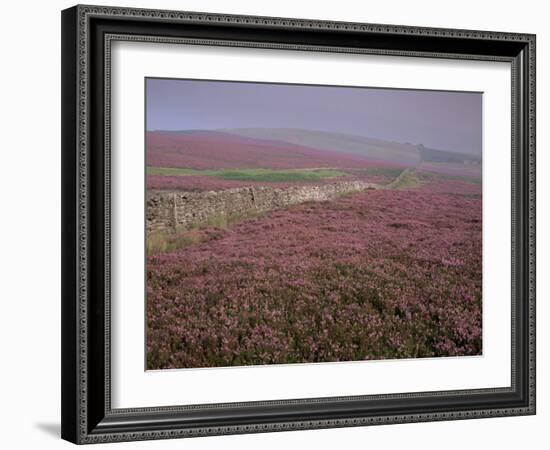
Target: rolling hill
408, 154
291, 148
221, 150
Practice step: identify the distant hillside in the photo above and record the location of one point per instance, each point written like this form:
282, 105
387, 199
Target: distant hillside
288, 148
403, 153
196, 149
440, 156
406, 154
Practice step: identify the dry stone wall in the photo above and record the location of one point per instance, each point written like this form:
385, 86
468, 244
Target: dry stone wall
170, 211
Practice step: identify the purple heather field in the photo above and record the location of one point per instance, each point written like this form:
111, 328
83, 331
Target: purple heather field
389, 272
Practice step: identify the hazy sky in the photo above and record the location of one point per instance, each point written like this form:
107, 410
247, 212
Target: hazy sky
437, 119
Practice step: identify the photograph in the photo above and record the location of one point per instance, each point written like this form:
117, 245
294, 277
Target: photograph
303, 223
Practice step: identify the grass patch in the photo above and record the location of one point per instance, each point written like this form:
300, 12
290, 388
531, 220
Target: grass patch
162, 242
268, 175
261, 175
165, 241
176, 171
408, 179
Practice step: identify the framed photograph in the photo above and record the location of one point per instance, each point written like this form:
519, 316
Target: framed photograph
278, 224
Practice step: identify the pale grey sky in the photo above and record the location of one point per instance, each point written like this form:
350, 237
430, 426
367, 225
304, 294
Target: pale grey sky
438, 119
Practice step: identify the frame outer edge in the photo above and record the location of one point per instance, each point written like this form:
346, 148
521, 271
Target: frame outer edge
532, 143
69, 265
297, 23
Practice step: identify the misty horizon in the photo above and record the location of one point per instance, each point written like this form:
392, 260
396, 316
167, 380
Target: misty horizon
230, 130
442, 120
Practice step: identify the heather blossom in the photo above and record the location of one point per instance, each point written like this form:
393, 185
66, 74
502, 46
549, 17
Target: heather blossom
374, 275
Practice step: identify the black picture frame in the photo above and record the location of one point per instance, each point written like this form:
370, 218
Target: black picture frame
87, 416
